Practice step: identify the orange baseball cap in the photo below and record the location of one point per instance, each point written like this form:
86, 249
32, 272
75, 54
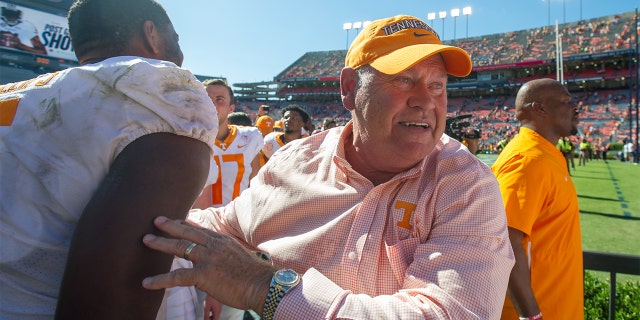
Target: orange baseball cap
264, 124
395, 44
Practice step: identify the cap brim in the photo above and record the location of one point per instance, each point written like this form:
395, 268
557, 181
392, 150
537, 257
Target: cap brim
456, 61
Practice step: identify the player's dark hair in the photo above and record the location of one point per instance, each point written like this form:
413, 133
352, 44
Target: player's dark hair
294, 107
220, 82
240, 118
107, 25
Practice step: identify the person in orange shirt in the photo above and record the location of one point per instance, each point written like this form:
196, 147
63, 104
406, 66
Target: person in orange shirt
278, 126
542, 207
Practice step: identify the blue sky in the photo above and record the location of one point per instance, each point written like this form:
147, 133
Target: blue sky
252, 40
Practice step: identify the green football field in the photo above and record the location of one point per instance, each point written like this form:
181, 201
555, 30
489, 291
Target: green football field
609, 199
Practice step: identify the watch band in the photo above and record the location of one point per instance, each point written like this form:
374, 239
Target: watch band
277, 289
273, 299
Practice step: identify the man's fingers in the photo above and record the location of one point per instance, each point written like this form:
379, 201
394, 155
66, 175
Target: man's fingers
177, 278
179, 248
180, 229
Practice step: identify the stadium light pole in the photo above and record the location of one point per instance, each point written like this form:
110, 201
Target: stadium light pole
548, 12
357, 25
580, 10
637, 155
442, 15
347, 26
466, 11
431, 16
455, 13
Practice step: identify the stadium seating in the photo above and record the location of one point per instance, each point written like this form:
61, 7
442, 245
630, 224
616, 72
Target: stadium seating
312, 80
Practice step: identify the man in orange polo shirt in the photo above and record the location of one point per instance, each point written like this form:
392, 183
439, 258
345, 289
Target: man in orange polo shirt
542, 207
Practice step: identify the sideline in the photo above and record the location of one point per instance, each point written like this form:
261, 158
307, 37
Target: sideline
625, 207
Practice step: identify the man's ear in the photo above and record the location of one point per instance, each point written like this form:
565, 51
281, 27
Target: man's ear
348, 84
151, 36
539, 108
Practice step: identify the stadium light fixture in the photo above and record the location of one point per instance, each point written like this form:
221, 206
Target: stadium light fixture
467, 12
347, 26
357, 25
442, 15
431, 16
455, 13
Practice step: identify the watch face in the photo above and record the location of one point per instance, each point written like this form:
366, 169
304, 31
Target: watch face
286, 277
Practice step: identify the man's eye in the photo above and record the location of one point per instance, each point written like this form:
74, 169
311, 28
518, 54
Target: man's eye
403, 83
437, 88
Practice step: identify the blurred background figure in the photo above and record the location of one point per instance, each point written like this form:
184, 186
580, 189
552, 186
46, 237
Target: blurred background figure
17, 33
264, 122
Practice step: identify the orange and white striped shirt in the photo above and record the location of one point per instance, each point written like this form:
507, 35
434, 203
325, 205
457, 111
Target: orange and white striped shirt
430, 243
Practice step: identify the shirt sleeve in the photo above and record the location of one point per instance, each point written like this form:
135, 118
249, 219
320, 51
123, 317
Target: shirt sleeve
157, 97
522, 187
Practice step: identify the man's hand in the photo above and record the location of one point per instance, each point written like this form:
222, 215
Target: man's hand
222, 267
212, 308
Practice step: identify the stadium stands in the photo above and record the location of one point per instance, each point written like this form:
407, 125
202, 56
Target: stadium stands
597, 56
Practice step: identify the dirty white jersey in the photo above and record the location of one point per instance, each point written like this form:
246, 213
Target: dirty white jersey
272, 142
59, 135
232, 162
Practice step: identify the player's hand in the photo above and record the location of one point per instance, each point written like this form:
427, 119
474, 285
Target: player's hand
222, 267
212, 308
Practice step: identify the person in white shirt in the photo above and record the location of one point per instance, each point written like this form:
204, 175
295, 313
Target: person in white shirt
88, 156
293, 119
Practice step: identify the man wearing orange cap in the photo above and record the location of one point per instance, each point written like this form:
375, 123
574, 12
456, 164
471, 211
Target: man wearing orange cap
264, 122
385, 217
277, 126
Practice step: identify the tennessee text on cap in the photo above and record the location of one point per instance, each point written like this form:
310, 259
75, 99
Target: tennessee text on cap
395, 44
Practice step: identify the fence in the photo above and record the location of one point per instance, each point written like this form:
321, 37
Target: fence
613, 263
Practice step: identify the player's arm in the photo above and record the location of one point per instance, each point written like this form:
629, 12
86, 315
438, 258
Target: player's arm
157, 174
36, 46
255, 166
519, 288
204, 200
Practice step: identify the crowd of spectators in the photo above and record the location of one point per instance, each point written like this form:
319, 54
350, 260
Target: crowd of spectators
604, 115
591, 36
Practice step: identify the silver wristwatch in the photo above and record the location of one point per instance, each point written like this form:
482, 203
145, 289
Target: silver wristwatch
281, 282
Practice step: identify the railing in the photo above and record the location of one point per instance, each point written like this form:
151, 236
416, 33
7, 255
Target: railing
613, 263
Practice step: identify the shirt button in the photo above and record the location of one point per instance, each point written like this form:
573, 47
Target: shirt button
352, 255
